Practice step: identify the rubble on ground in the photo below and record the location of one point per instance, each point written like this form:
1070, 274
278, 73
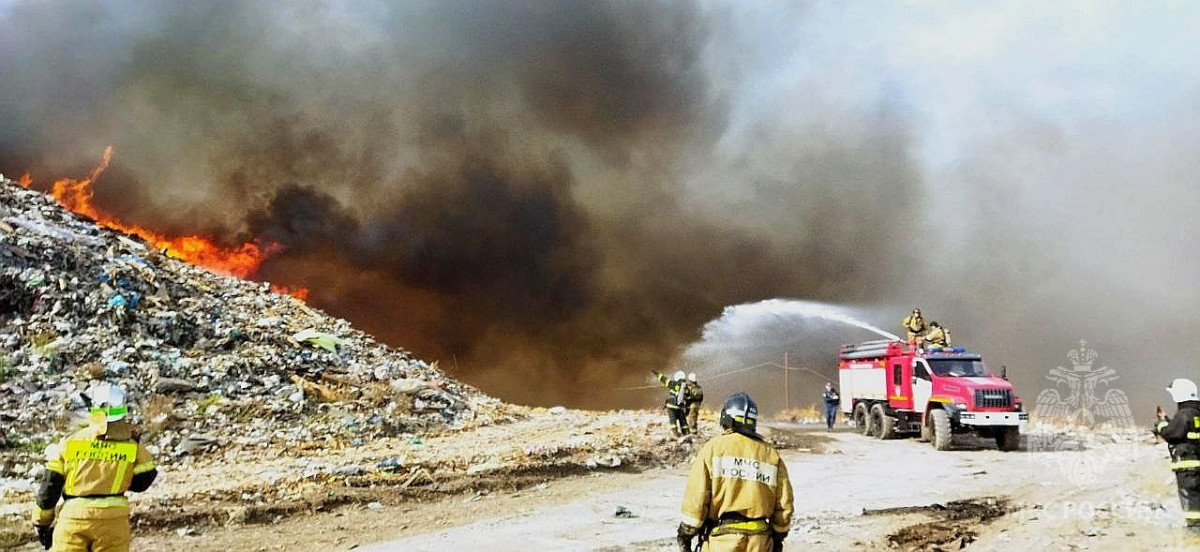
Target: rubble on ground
210, 363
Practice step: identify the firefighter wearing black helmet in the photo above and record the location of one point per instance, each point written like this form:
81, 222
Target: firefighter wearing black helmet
738, 496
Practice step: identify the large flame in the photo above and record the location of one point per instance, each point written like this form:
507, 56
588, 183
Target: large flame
242, 261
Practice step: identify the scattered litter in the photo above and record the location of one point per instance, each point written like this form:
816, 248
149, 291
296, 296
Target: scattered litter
623, 513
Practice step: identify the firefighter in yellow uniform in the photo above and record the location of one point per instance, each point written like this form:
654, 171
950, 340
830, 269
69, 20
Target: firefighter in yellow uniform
738, 497
915, 325
937, 336
91, 470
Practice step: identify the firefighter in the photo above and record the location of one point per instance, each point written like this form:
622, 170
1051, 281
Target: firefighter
694, 396
831, 398
937, 336
915, 325
1182, 434
676, 401
738, 497
91, 470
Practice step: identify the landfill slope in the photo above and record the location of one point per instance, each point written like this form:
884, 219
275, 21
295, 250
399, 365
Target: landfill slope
208, 361
254, 404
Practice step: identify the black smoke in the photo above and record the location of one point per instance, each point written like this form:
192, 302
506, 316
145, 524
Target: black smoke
548, 198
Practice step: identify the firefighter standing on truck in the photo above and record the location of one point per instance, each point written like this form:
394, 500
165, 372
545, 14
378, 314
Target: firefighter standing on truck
738, 496
676, 401
1182, 434
694, 396
91, 470
915, 325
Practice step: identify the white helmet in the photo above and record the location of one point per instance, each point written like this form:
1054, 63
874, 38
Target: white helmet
1183, 390
678, 376
692, 377
109, 400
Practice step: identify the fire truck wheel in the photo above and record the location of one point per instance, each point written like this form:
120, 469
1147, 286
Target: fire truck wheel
861, 420
1009, 438
941, 429
884, 426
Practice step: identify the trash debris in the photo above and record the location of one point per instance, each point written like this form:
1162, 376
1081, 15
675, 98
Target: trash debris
320, 339
199, 354
624, 513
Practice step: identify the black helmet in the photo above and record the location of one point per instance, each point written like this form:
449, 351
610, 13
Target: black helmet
740, 414
935, 324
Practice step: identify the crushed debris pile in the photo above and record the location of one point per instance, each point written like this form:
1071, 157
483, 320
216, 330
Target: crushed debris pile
211, 363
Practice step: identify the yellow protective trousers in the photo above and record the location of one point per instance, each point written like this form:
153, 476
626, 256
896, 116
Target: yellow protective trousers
93, 525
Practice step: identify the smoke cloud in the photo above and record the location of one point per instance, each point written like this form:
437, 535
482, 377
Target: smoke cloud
552, 199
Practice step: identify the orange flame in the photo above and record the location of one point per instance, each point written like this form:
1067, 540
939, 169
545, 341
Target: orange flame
242, 261
25, 181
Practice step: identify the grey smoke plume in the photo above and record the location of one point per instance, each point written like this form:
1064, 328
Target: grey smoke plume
552, 198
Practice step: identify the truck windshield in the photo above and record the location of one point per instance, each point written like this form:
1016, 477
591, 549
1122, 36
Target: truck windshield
958, 368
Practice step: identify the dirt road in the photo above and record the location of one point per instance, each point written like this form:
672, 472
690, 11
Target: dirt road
1097, 492
1035, 501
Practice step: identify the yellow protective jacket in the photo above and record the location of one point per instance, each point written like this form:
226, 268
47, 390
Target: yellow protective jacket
95, 465
915, 325
938, 337
738, 477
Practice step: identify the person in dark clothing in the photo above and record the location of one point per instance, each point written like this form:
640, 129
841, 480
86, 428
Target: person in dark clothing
676, 401
832, 399
1182, 434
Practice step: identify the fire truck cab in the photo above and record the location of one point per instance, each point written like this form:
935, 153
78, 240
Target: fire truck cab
892, 387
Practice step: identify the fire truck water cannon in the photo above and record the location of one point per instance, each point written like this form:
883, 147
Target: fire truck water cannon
891, 388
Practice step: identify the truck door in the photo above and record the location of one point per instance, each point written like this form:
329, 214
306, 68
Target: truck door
899, 375
922, 385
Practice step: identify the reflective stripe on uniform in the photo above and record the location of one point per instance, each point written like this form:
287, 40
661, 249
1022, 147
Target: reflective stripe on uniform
143, 467
1191, 515
1162, 425
1193, 435
751, 526
119, 478
1185, 464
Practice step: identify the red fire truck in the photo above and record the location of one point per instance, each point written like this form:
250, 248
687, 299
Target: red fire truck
891, 387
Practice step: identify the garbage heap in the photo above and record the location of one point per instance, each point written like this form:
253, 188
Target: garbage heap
208, 361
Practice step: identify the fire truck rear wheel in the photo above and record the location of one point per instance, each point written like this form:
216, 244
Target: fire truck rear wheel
884, 426
1008, 439
861, 420
941, 429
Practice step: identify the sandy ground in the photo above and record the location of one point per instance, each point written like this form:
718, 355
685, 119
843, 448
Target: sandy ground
1102, 495
1120, 500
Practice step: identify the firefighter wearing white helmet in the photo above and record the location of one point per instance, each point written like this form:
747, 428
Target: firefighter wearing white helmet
91, 470
677, 400
738, 495
1182, 434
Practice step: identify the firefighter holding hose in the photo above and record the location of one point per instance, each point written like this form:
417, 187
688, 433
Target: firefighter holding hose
677, 400
1182, 434
91, 470
738, 496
